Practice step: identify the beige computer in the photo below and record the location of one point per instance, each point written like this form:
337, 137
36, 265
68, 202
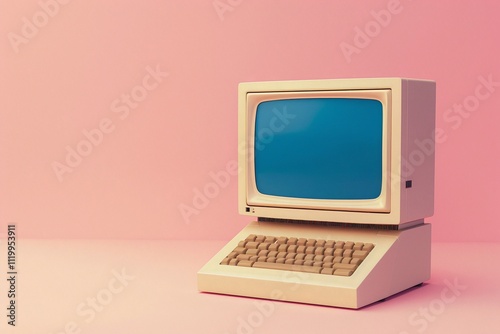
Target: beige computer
339, 176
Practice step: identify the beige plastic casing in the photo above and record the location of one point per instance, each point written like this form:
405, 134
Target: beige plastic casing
399, 260
408, 151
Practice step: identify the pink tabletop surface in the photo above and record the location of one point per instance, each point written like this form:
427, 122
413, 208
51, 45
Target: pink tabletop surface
150, 287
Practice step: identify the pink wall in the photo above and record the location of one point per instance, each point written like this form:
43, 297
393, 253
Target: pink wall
153, 83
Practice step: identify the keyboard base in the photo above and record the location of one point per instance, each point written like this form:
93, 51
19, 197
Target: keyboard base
399, 261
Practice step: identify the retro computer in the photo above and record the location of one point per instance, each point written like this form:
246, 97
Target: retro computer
340, 175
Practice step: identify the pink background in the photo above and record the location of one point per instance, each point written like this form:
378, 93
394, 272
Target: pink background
66, 76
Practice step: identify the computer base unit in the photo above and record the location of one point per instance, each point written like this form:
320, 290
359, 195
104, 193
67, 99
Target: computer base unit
397, 260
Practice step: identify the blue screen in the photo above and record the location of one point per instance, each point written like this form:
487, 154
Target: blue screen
319, 148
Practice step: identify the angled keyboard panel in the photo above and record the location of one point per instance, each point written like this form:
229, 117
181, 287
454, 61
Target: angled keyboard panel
327, 257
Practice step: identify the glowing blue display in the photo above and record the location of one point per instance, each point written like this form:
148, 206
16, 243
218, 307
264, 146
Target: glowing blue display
319, 148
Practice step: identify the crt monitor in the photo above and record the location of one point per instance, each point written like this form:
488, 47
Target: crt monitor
349, 151
340, 176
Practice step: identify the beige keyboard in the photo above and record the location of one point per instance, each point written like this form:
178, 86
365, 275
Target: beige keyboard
326, 257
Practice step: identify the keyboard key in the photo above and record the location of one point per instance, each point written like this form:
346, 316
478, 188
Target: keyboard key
282, 248
240, 250
289, 267
338, 252
270, 239
319, 250
273, 247
252, 244
260, 238
300, 256
343, 272
245, 263
311, 242
264, 246
344, 266
309, 257
328, 258
358, 246
301, 249
282, 240
360, 254
251, 237
310, 250
328, 251
281, 255
368, 247
319, 258
253, 251
327, 271
263, 252
243, 257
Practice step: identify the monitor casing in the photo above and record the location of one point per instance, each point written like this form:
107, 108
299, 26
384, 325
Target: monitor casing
408, 139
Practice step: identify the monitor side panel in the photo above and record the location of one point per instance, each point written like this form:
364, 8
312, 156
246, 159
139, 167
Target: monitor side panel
418, 151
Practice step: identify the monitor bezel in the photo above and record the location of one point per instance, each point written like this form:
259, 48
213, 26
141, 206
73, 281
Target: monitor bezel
379, 204
396, 193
